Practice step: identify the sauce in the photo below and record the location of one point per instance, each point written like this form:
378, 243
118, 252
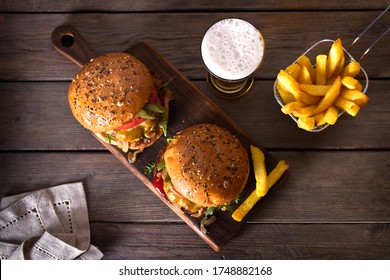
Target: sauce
158, 183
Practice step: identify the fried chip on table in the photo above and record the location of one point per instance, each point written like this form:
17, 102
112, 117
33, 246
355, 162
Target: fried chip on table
252, 199
260, 171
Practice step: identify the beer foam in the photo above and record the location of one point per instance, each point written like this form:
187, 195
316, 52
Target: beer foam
232, 49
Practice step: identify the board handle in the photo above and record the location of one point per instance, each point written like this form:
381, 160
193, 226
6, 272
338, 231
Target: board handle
68, 42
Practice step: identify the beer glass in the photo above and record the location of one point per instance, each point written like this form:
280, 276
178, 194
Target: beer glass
232, 51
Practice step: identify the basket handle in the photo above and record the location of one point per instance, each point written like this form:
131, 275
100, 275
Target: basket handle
368, 28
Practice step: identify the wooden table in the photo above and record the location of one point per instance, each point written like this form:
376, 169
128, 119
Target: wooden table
336, 201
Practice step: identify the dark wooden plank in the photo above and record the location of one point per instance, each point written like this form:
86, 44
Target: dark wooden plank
113, 192
259, 115
27, 54
36, 116
335, 204
258, 241
323, 186
174, 5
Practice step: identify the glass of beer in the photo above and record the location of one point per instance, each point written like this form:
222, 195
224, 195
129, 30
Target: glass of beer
232, 51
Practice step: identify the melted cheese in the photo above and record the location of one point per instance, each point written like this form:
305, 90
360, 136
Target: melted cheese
148, 129
128, 139
179, 200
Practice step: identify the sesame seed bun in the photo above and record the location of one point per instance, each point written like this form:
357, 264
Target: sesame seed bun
207, 165
109, 91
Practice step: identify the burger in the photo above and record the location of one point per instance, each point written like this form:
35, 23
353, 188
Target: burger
118, 98
203, 167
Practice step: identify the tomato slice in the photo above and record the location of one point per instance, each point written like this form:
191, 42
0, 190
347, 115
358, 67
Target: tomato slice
132, 123
176, 192
154, 98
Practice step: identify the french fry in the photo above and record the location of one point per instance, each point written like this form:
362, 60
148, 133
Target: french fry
253, 198
316, 90
290, 107
319, 119
359, 86
351, 70
340, 67
329, 86
246, 206
259, 170
307, 98
303, 60
330, 97
304, 76
306, 123
294, 70
335, 58
354, 95
331, 81
306, 111
276, 173
349, 82
292, 86
331, 115
286, 96
288, 83
348, 106
321, 60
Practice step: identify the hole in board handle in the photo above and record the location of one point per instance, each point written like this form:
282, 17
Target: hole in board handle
67, 40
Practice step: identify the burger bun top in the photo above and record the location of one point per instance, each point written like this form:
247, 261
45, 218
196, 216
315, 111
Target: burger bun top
109, 91
207, 165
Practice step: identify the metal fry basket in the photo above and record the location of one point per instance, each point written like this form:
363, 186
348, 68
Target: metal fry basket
323, 47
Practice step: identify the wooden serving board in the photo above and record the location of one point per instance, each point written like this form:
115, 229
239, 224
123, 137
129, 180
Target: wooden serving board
190, 107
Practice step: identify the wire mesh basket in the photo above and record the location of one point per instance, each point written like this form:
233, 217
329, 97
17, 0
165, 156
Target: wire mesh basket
323, 47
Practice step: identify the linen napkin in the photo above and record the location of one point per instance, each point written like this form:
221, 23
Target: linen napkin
48, 224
